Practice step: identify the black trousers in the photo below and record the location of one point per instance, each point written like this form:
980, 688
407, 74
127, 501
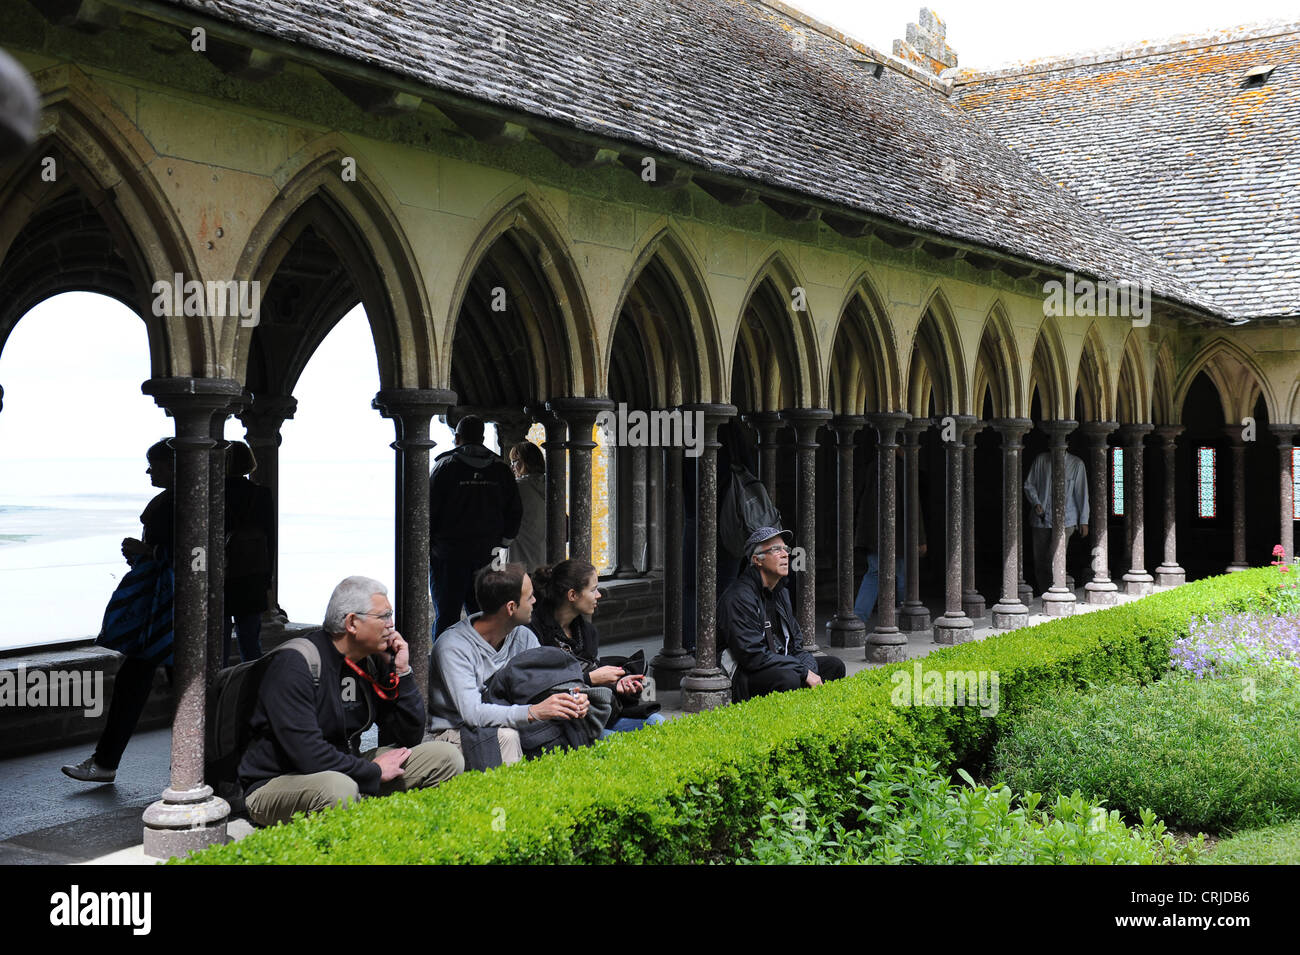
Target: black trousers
748, 685
130, 694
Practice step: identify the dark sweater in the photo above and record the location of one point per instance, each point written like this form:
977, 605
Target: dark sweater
301, 728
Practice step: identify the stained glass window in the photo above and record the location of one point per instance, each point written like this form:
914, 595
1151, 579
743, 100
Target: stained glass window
1117, 481
1205, 486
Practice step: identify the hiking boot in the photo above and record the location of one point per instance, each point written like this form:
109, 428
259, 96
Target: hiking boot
89, 771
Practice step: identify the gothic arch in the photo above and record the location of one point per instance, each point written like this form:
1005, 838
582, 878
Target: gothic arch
936, 362
1233, 372
103, 196
864, 359
769, 298
355, 220
1048, 372
997, 367
1093, 381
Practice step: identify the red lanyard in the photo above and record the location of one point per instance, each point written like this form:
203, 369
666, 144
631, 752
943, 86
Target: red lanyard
381, 691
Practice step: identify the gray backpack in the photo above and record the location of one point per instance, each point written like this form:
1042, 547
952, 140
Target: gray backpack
745, 508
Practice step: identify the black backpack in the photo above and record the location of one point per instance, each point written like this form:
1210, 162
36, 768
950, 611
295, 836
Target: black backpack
231, 701
745, 508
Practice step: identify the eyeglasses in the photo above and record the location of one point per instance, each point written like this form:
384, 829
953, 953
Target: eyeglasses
777, 549
386, 616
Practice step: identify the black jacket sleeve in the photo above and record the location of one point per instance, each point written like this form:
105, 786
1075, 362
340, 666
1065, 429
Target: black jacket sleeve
289, 696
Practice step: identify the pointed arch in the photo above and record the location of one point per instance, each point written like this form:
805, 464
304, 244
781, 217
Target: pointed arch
1234, 373
1093, 381
103, 173
562, 326
1048, 372
937, 364
699, 376
792, 334
864, 358
355, 219
997, 367
1162, 390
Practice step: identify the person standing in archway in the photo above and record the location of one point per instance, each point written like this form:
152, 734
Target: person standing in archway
1038, 491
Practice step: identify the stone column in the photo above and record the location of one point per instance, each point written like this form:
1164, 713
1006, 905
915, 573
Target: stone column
886, 644
972, 603
654, 530
580, 415
624, 557
707, 686
1238, 499
768, 425
411, 410
556, 447
511, 429
846, 629
1010, 610
1101, 589
805, 422
1059, 600
672, 662
217, 535
1169, 574
1137, 581
1285, 435
914, 615
189, 816
262, 422
954, 626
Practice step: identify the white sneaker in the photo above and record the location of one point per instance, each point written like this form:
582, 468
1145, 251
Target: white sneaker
89, 771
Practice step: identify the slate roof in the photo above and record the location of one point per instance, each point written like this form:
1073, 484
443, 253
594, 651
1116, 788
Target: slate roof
721, 85
1168, 142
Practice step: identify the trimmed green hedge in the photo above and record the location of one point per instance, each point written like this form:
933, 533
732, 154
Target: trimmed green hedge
696, 787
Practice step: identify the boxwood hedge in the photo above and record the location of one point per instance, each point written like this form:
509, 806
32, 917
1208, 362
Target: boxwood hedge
694, 788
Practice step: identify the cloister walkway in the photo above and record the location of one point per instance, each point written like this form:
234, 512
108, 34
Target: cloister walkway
48, 819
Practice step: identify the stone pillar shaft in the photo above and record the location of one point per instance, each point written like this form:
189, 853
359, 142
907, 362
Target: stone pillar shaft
1238, 499
217, 541
1137, 580
806, 422
707, 685
556, 448
1010, 612
914, 615
673, 661
1169, 574
846, 629
886, 643
1059, 600
768, 424
262, 421
580, 414
972, 603
1285, 436
411, 411
655, 513
1101, 589
189, 816
954, 626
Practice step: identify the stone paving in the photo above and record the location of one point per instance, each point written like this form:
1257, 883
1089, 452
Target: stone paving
47, 818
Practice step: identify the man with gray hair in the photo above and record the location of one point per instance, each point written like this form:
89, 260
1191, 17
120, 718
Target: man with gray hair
311, 710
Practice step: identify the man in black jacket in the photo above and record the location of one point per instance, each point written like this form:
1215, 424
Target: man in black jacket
756, 622
305, 753
474, 506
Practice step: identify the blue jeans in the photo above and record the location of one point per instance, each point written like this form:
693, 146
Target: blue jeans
867, 592
626, 724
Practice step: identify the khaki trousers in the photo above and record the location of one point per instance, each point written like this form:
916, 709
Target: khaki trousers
512, 751
428, 765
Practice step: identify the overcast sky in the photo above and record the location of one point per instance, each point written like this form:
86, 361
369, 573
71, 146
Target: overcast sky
985, 33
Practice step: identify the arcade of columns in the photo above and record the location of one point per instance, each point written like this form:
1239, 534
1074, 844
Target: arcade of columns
663, 296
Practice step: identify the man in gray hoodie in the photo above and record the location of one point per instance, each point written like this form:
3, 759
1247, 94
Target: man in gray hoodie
467, 655
473, 507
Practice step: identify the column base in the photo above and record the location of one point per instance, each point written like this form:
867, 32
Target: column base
847, 631
185, 821
668, 668
954, 628
886, 645
1170, 575
1104, 592
1025, 593
705, 690
1137, 583
1058, 603
972, 605
1009, 616
1234, 567
914, 617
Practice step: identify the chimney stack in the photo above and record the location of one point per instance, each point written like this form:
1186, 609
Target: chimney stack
927, 44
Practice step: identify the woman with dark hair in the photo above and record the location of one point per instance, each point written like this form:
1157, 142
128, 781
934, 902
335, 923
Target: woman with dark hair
567, 593
529, 467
